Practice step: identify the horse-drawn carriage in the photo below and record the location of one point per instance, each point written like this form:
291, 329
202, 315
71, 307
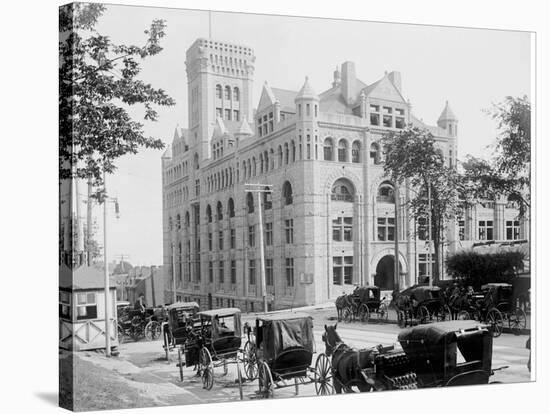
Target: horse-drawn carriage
283, 350
494, 305
422, 304
136, 324
181, 318
363, 304
438, 354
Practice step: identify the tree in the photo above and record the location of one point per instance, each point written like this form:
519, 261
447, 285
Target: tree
508, 172
412, 157
97, 82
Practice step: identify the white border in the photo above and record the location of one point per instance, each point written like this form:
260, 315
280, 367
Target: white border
29, 207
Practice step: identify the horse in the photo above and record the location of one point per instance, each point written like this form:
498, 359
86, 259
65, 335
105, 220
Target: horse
403, 305
347, 363
341, 303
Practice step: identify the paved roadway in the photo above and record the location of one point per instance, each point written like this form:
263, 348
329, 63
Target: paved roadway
142, 365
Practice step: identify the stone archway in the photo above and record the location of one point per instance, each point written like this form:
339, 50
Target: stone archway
385, 272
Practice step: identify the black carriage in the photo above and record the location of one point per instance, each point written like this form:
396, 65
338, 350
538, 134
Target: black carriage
180, 321
421, 304
495, 305
449, 353
215, 341
283, 350
365, 304
136, 324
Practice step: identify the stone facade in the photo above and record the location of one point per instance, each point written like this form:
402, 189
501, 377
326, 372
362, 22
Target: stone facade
329, 221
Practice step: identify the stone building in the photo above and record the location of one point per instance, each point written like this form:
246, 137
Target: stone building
329, 222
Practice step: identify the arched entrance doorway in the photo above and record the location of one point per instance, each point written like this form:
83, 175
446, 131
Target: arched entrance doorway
385, 273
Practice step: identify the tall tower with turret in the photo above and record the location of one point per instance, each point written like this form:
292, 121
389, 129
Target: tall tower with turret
219, 80
307, 111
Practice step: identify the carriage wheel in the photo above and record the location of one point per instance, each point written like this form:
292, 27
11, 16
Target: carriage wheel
323, 376
364, 314
156, 330
463, 315
207, 369
517, 320
250, 361
423, 314
224, 365
120, 332
347, 314
401, 319
265, 380
149, 329
494, 318
383, 312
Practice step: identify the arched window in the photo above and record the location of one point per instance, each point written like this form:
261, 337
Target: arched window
293, 145
280, 156
287, 193
244, 170
271, 159
219, 91
342, 151
249, 169
219, 211
328, 149
227, 93
385, 193
267, 199
236, 95
343, 190
208, 213
250, 202
266, 161
178, 222
196, 161
261, 163
186, 219
253, 166
170, 224
286, 153
374, 153
231, 208
356, 152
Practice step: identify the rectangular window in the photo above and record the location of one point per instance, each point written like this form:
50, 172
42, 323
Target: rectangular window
251, 272
221, 272
348, 226
65, 305
375, 108
270, 126
210, 272
337, 270
512, 229
219, 112
424, 261
289, 231
308, 109
233, 272
236, 116
86, 306
485, 230
210, 241
461, 230
386, 110
400, 111
348, 269
220, 240
269, 272
422, 228
386, 228
342, 229
337, 229
387, 121
290, 272
232, 238
251, 236
197, 188
228, 114
399, 122
268, 234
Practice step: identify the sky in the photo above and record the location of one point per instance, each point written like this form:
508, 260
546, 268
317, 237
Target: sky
471, 68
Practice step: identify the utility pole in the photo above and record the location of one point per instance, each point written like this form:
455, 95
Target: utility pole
89, 224
106, 272
396, 237
259, 189
430, 258
173, 272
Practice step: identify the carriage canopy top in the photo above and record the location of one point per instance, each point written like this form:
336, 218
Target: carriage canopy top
283, 332
422, 293
489, 286
366, 293
183, 305
438, 332
220, 313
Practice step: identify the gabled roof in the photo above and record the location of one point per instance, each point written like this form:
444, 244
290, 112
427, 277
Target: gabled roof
286, 99
332, 99
267, 98
244, 128
168, 153
384, 89
220, 128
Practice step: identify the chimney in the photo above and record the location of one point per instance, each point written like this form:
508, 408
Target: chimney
395, 78
348, 81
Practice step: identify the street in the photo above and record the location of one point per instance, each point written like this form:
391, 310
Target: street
142, 370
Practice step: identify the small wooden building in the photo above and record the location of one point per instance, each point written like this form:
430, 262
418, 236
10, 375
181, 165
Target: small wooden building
82, 309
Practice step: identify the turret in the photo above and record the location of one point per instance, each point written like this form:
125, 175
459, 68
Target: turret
337, 78
448, 121
307, 103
